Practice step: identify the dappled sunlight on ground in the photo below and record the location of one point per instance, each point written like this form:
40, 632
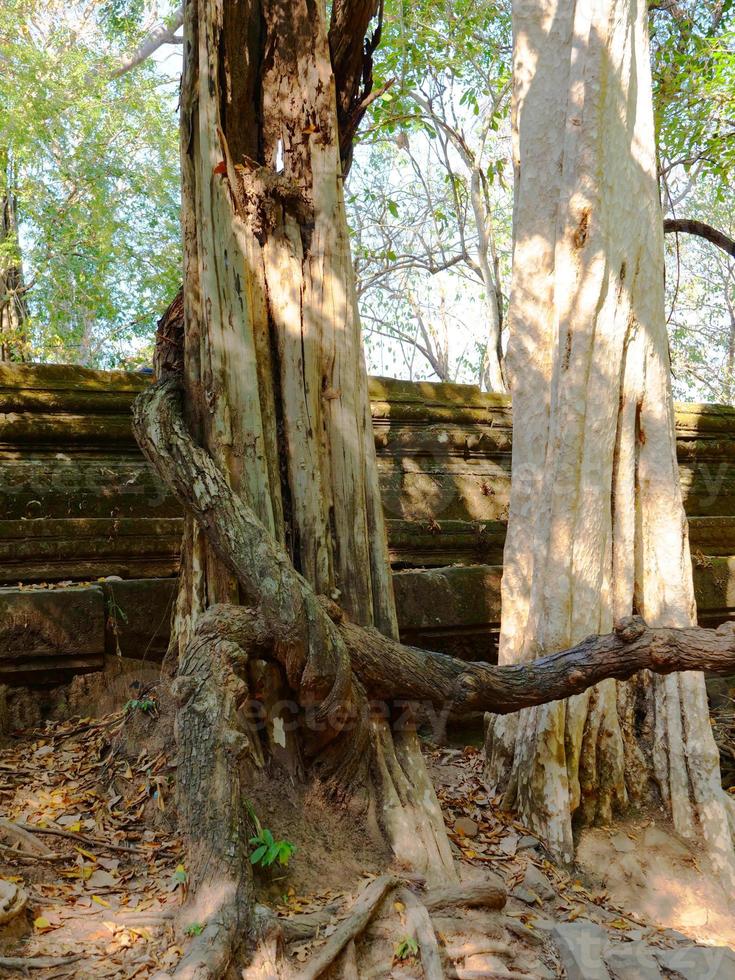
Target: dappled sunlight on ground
110, 890
644, 865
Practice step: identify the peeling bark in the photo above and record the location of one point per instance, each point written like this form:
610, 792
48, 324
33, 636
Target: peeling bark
277, 414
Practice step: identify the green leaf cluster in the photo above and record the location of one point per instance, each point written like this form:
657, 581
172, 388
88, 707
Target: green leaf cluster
406, 948
267, 850
95, 171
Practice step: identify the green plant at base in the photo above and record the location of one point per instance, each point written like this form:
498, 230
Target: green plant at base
195, 929
146, 705
267, 850
406, 948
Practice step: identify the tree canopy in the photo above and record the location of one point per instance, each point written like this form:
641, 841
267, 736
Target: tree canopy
92, 160
91, 156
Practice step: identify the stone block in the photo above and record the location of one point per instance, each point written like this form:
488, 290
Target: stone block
698, 962
632, 961
139, 616
581, 946
47, 631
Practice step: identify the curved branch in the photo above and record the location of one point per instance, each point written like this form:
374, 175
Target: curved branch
304, 639
323, 654
391, 671
700, 228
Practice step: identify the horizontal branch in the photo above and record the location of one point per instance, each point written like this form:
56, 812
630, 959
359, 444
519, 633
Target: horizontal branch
700, 228
393, 671
323, 653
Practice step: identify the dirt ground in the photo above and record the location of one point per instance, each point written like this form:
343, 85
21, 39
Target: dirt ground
106, 892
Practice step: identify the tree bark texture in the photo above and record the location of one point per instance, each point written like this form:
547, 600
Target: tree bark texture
596, 529
13, 307
275, 388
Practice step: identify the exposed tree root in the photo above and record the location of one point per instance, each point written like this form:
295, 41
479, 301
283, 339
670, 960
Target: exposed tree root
349, 966
488, 893
213, 754
420, 927
332, 666
411, 813
362, 912
13, 899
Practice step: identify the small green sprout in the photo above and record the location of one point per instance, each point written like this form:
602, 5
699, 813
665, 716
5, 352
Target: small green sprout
406, 948
267, 850
146, 705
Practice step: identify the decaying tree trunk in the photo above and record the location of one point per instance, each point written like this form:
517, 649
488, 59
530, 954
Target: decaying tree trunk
596, 529
13, 307
275, 390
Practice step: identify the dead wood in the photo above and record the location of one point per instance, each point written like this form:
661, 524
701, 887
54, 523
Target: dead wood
37, 962
30, 829
22, 835
25, 858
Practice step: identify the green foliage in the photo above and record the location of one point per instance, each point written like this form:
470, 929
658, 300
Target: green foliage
267, 850
693, 62
96, 175
466, 43
195, 929
145, 705
406, 949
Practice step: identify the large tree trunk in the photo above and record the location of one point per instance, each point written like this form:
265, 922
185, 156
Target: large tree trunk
13, 308
330, 664
596, 528
275, 387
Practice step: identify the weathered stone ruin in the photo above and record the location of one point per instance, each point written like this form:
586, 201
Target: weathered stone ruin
80, 508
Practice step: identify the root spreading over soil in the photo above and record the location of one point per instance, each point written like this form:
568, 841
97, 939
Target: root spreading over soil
90, 840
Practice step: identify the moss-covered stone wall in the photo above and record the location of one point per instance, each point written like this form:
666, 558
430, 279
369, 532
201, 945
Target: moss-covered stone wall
78, 503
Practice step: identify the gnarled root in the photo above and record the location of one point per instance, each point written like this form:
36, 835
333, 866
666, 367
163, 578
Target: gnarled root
420, 927
360, 915
213, 760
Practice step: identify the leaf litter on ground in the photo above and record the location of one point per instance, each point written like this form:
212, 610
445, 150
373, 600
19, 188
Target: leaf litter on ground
109, 891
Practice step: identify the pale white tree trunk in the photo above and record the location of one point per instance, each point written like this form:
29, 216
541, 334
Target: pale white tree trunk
597, 528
